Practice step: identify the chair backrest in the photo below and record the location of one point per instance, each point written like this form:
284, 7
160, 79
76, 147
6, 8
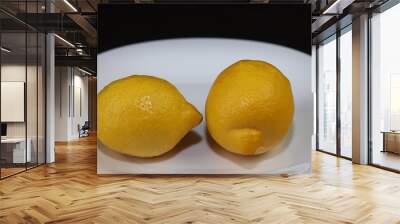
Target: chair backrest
86, 124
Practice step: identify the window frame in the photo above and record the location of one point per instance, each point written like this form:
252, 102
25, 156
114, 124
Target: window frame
334, 37
380, 9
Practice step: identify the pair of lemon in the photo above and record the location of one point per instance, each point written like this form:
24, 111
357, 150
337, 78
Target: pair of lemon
249, 109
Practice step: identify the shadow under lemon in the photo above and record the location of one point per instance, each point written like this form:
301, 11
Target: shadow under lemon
191, 138
250, 161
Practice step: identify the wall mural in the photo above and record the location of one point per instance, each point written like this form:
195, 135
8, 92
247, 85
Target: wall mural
204, 89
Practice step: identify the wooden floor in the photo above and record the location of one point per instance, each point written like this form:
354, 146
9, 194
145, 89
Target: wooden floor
69, 191
387, 159
5, 172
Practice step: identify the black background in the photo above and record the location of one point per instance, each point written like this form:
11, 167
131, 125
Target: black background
287, 25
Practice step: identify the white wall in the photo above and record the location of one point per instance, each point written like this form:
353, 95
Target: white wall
82, 82
33, 126
14, 72
17, 72
61, 103
71, 93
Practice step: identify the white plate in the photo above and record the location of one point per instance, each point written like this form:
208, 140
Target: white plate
192, 64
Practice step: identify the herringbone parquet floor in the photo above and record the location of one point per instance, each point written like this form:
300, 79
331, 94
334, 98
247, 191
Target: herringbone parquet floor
69, 191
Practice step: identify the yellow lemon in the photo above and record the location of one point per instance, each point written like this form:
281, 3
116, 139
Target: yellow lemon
250, 107
143, 116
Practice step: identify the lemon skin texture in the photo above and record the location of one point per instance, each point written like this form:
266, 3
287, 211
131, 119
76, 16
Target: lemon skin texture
250, 107
143, 116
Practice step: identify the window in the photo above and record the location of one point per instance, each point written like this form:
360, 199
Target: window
22, 77
327, 96
335, 74
346, 93
394, 102
385, 89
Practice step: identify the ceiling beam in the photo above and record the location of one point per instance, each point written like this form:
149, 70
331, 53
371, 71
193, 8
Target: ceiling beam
74, 13
86, 26
79, 61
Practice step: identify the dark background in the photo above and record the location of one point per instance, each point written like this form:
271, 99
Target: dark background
286, 25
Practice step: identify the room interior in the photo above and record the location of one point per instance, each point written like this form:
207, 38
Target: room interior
22, 102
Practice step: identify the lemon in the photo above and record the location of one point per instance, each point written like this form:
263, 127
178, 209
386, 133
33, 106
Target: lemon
250, 107
143, 116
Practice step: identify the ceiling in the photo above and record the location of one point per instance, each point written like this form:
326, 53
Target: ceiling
76, 21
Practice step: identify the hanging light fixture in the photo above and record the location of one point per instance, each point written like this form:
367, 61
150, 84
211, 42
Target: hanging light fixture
70, 5
5, 50
84, 71
64, 40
